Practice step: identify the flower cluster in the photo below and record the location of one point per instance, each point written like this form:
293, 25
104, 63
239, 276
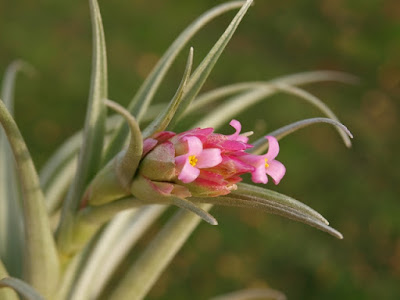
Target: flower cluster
208, 164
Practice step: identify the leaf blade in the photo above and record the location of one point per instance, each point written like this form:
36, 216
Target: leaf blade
146, 93
41, 259
261, 144
89, 156
11, 221
4, 293
145, 271
202, 72
236, 104
164, 118
24, 289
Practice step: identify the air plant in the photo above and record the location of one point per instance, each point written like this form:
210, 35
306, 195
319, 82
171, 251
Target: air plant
74, 223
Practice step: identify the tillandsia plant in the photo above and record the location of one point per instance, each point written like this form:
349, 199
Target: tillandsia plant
64, 232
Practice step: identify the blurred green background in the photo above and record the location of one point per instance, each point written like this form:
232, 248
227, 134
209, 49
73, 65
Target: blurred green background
357, 189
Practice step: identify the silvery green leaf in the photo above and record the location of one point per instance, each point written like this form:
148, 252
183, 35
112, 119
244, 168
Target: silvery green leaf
236, 104
58, 172
41, 258
6, 294
251, 196
190, 206
313, 100
277, 209
248, 191
11, 221
112, 246
67, 152
71, 273
94, 132
8, 84
21, 287
145, 95
208, 98
127, 163
163, 119
142, 275
202, 72
153, 111
262, 144
57, 188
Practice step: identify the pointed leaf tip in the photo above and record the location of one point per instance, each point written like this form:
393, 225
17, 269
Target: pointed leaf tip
165, 117
188, 205
129, 162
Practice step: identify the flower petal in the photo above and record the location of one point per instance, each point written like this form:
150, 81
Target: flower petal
209, 158
188, 173
258, 175
234, 145
236, 136
273, 148
276, 170
195, 146
211, 176
231, 166
181, 160
238, 127
251, 159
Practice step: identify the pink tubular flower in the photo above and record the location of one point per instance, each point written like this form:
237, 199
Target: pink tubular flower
266, 164
195, 159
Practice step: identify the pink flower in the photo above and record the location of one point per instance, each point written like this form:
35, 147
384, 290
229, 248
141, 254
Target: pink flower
228, 143
266, 164
236, 136
195, 159
208, 164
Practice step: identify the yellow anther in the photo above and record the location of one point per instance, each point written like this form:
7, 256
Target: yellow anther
193, 160
266, 162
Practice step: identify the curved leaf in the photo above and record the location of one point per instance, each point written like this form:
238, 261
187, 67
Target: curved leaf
249, 191
262, 144
310, 98
24, 289
188, 205
11, 221
41, 259
58, 172
237, 104
8, 84
111, 248
144, 96
255, 197
210, 97
6, 294
203, 70
127, 164
148, 267
90, 154
163, 119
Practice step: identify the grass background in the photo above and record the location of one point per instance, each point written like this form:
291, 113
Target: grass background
357, 189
